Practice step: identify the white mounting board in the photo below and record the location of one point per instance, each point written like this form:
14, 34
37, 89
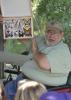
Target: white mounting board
16, 8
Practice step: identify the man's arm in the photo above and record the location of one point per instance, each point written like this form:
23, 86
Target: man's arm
40, 58
13, 58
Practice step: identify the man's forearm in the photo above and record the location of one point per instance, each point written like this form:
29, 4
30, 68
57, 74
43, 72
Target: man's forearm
39, 57
41, 60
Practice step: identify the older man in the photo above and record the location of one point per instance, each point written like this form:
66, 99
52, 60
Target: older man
56, 56
50, 61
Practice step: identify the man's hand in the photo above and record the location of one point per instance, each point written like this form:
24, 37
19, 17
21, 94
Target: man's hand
23, 40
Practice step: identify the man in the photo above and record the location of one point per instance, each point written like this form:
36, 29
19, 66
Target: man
56, 56
51, 60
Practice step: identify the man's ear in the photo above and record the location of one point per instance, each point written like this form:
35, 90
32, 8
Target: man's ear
62, 34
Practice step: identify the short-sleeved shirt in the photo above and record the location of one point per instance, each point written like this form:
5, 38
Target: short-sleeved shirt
59, 56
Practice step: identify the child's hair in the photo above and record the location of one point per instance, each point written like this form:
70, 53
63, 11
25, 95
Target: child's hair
30, 90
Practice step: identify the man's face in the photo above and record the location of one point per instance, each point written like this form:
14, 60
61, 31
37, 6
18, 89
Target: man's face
53, 36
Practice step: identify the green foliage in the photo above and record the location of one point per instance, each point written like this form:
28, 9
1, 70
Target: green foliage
55, 9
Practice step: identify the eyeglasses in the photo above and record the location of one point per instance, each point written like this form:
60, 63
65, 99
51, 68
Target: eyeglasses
52, 32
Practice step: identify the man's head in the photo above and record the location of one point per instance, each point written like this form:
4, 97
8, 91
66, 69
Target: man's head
53, 33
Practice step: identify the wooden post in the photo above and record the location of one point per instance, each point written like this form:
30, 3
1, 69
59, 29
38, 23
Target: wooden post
1, 49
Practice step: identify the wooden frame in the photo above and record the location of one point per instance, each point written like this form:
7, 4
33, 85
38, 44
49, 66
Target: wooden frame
17, 27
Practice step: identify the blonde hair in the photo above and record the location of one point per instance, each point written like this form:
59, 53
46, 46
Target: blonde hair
30, 90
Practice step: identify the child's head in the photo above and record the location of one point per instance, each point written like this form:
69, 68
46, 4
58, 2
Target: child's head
30, 90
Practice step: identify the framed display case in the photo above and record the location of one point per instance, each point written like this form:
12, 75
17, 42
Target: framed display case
17, 27
17, 19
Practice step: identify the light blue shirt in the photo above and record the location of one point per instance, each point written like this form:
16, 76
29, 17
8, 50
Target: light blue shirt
59, 55
59, 58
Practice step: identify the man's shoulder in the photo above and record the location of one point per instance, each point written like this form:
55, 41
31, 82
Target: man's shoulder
62, 47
